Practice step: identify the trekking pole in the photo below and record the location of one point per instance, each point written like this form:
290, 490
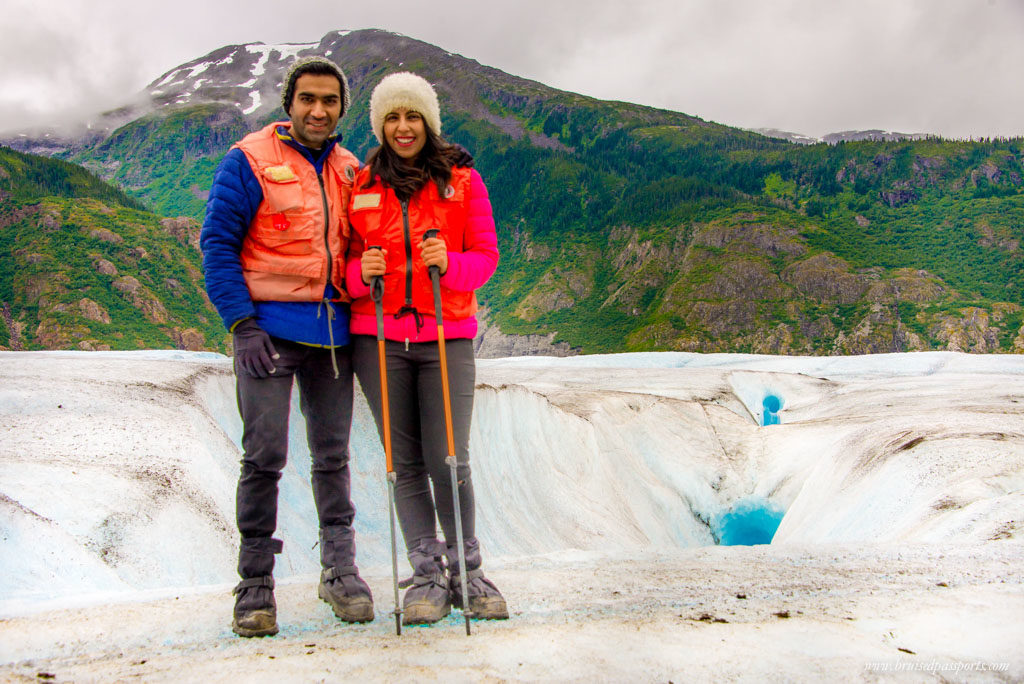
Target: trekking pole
377, 294
435, 278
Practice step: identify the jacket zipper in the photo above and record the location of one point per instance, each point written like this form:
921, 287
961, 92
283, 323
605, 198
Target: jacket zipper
327, 225
330, 267
408, 259
408, 252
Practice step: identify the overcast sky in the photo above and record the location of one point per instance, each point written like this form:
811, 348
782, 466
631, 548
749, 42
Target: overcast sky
951, 67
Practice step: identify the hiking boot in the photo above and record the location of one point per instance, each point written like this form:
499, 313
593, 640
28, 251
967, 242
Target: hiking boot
347, 594
340, 584
485, 601
255, 608
427, 599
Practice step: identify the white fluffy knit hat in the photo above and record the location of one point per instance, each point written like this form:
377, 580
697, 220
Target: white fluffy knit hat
404, 89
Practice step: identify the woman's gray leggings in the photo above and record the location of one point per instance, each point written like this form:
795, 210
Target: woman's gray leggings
419, 444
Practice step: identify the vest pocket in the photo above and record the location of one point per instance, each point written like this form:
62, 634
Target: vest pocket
278, 227
283, 244
282, 196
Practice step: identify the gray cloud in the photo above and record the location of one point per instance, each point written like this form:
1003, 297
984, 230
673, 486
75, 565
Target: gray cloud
811, 66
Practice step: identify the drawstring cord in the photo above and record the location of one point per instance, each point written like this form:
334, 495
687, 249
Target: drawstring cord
416, 315
330, 330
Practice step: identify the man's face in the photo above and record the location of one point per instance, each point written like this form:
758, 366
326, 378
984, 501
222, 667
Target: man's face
316, 107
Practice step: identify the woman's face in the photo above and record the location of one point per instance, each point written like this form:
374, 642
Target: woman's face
405, 132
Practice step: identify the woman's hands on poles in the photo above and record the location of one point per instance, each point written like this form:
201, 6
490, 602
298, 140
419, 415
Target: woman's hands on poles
435, 253
374, 262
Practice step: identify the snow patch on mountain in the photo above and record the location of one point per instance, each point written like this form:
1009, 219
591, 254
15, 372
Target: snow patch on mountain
168, 78
198, 69
284, 52
263, 52
256, 101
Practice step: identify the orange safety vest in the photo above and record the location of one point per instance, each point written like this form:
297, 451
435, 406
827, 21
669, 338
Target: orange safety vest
300, 231
381, 220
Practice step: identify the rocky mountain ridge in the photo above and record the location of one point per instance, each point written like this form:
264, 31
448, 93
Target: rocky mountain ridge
85, 267
873, 134
625, 227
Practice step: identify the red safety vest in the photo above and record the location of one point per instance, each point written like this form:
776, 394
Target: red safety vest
381, 220
300, 231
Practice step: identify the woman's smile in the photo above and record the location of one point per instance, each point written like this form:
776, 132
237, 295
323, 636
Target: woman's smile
405, 132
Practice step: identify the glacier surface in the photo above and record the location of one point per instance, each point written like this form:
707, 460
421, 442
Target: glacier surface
118, 470
114, 464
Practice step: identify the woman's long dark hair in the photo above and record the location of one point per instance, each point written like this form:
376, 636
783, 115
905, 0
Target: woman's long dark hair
433, 163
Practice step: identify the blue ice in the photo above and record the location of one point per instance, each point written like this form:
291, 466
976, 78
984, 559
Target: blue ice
771, 405
750, 521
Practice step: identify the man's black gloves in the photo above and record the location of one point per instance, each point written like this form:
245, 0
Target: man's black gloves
253, 349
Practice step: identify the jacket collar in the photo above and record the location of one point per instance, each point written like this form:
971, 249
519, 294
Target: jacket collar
284, 134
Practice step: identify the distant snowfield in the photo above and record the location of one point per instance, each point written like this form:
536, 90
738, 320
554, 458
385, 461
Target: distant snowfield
600, 483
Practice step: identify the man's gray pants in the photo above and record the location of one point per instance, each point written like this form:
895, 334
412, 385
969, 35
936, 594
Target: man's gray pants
264, 404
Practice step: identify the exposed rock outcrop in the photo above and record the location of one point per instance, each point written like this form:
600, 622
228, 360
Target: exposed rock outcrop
826, 278
491, 343
52, 334
743, 278
753, 237
93, 311
990, 239
898, 197
46, 217
105, 235
640, 266
142, 299
185, 230
188, 339
907, 285
970, 332
558, 289
14, 328
103, 266
881, 331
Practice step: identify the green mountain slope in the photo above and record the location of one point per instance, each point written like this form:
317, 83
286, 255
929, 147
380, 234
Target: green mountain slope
625, 227
84, 266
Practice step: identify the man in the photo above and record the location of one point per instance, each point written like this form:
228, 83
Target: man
273, 242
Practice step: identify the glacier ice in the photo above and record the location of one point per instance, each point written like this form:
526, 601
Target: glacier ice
117, 470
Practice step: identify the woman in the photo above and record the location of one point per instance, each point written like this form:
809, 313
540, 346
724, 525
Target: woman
410, 185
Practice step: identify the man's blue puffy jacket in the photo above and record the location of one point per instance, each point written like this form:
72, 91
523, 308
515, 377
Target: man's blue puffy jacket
234, 199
